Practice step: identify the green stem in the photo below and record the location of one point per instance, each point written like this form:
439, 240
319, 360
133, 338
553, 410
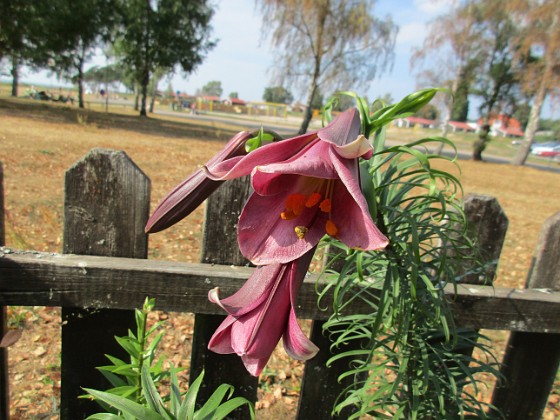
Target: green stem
140, 361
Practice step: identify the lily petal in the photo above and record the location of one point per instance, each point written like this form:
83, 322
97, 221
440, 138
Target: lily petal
254, 334
190, 193
343, 129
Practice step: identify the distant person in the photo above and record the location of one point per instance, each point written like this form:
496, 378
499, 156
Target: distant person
480, 144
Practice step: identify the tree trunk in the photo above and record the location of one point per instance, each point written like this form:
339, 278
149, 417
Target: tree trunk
145, 82
308, 114
136, 97
81, 85
15, 75
532, 126
321, 19
550, 60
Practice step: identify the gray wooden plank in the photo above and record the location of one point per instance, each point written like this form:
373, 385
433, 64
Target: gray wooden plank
46, 279
4, 377
106, 207
532, 360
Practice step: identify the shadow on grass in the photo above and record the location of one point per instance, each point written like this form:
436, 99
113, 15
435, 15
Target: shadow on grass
156, 126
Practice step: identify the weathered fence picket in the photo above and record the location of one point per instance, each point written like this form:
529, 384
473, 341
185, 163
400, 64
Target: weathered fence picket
4, 378
106, 206
532, 359
106, 209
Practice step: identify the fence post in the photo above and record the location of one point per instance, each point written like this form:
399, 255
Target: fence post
4, 378
220, 247
532, 359
106, 207
487, 227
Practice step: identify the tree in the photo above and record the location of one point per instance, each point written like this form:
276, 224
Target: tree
460, 106
278, 95
212, 88
21, 30
451, 49
539, 36
496, 82
233, 95
76, 29
109, 75
429, 111
163, 34
327, 44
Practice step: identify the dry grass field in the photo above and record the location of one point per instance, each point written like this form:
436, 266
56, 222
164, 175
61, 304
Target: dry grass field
39, 142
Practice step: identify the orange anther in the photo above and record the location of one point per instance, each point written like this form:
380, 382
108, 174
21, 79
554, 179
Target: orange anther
331, 228
313, 200
287, 215
295, 203
325, 205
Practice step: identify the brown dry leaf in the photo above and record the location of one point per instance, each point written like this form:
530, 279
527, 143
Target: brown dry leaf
39, 351
10, 338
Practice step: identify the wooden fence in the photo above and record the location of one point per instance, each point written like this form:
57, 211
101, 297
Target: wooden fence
104, 274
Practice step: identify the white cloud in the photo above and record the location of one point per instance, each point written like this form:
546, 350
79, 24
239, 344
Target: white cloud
412, 33
433, 7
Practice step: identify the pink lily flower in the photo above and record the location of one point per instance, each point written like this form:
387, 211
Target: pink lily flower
260, 313
190, 193
305, 187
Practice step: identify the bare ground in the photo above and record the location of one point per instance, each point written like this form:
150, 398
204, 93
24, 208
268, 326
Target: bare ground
39, 142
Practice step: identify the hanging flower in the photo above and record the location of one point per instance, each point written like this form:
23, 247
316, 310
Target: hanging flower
305, 187
260, 313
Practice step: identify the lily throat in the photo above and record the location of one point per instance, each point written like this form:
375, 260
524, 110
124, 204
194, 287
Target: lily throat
320, 200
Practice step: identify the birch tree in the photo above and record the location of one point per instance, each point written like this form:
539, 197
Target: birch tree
326, 45
452, 45
539, 37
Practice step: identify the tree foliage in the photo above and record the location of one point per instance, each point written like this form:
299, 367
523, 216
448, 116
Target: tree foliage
327, 44
496, 82
163, 34
76, 29
212, 88
23, 29
278, 95
450, 51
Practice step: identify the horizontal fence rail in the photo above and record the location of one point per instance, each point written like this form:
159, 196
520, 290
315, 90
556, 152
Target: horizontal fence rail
46, 279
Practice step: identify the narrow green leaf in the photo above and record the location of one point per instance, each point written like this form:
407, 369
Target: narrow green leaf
125, 405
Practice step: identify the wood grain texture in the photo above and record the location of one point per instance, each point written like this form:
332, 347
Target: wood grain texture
532, 360
487, 227
4, 378
45, 279
106, 205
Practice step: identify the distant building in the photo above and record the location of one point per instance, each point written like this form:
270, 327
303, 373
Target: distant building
234, 102
410, 122
212, 99
459, 126
504, 125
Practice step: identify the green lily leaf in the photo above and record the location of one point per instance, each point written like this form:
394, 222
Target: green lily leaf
125, 405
